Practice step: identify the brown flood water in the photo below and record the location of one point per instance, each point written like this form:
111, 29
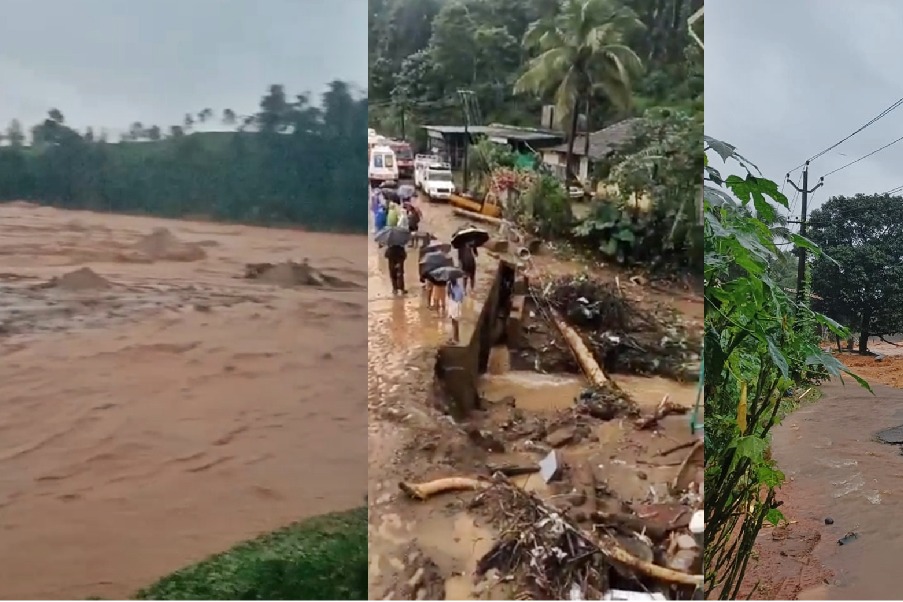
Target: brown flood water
839, 471
174, 409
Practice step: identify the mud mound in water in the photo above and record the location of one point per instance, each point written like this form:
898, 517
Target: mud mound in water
83, 279
163, 245
290, 274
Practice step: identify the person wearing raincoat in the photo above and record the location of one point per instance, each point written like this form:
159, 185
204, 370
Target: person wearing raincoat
380, 216
392, 217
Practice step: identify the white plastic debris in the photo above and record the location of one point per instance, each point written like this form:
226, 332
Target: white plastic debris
626, 595
549, 466
697, 527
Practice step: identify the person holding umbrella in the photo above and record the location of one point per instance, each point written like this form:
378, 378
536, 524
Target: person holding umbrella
439, 278
466, 241
395, 240
396, 256
428, 263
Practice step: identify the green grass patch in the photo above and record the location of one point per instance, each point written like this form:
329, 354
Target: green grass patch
322, 558
811, 394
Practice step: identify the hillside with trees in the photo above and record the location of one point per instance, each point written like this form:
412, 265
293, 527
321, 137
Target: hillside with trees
517, 55
288, 163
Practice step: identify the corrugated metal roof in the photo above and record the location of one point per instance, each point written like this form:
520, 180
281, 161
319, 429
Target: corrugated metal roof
500, 131
601, 143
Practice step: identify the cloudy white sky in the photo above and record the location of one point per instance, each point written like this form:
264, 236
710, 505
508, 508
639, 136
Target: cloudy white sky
108, 63
786, 79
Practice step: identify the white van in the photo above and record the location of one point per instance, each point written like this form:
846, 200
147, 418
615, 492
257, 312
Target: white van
383, 165
438, 183
421, 166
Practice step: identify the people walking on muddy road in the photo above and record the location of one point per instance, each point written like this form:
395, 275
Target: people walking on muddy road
392, 215
467, 260
466, 241
456, 294
396, 256
403, 219
414, 217
380, 215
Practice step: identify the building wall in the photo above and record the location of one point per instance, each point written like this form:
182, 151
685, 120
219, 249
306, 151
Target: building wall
555, 160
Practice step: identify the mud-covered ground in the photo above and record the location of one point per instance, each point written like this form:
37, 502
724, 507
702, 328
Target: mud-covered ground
431, 548
156, 406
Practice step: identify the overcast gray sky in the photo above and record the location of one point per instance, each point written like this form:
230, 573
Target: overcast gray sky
786, 79
108, 63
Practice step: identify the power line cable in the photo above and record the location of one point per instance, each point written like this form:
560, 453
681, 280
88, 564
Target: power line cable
883, 113
877, 150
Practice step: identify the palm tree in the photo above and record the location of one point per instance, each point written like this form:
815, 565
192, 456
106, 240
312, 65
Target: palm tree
581, 51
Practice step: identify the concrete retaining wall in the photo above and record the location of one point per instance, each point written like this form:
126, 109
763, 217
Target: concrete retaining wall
458, 367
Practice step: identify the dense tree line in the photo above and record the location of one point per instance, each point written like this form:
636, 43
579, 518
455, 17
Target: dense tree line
292, 161
605, 59
859, 280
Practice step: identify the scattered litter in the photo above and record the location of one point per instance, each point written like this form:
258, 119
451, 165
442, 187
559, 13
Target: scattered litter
549, 468
849, 537
629, 596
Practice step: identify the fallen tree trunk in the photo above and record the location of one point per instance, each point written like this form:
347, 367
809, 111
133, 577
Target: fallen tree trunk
424, 491
486, 219
615, 552
584, 356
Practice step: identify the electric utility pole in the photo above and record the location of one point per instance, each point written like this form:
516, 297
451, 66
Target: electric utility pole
805, 192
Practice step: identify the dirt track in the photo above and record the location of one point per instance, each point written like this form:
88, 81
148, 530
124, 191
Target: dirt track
161, 408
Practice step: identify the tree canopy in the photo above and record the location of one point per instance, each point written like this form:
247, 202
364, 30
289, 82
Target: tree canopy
292, 161
861, 286
616, 57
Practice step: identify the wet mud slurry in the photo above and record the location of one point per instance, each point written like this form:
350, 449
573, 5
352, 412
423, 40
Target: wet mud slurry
156, 406
430, 549
838, 469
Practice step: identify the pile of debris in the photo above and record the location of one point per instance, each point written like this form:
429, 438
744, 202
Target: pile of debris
550, 556
622, 337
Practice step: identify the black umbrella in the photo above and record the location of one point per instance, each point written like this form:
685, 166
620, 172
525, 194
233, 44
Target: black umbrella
446, 274
437, 247
389, 184
406, 191
471, 235
433, 261
393, 236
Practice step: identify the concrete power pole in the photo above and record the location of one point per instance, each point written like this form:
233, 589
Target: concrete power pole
805, 191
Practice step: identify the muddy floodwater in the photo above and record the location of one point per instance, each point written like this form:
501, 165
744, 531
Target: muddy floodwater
838, 470
155, 406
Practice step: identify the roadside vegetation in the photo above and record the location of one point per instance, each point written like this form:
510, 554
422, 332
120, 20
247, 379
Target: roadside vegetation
287, 163
598, 62
761, 349
322, 558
